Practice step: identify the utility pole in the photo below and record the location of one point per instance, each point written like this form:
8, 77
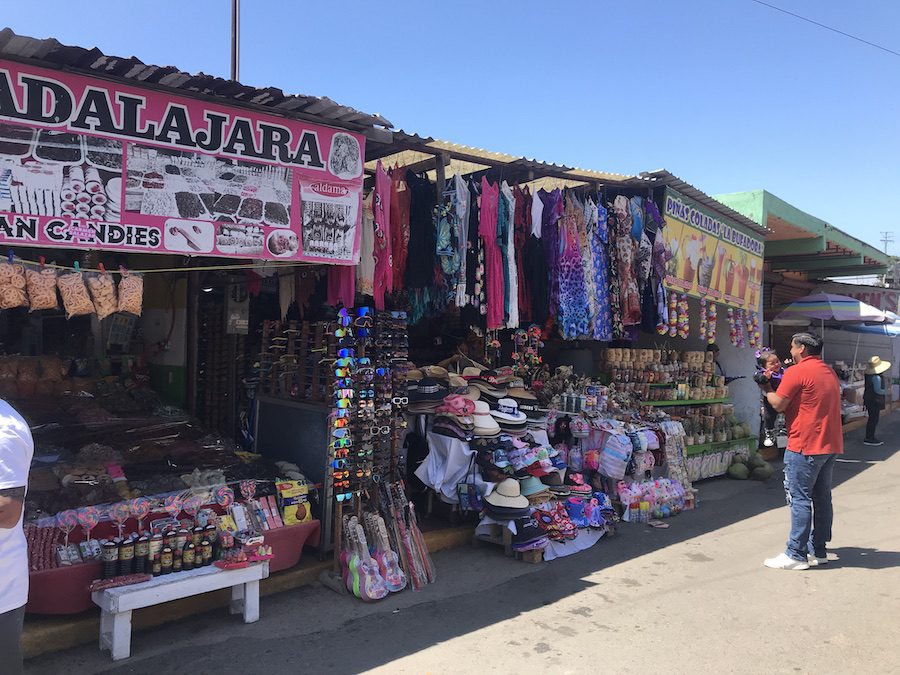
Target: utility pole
887, 238
235, 39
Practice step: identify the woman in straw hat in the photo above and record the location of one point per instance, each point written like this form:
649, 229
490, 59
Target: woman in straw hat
874, 396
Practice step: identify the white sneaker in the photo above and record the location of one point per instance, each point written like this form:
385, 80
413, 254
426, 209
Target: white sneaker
768, 442
815, 562
785, 562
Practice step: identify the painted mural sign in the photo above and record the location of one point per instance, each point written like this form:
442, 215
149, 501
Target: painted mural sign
711, 257
87, 163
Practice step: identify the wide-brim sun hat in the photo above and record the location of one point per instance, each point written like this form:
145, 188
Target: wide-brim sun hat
507, 494
473, 393
428, 389
877, 366
531, 485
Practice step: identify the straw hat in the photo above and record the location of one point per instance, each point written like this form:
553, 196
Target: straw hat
507, 494
877, 366
485, 424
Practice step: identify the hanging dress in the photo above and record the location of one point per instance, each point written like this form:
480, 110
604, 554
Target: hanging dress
550, 215
493, 260
399, 210
615, 284
573, 317
626, 248
383, 277
602, 325
521, 232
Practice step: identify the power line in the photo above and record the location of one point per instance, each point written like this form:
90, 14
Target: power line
822, 25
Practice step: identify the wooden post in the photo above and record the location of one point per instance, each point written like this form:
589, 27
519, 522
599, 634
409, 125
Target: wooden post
192, 337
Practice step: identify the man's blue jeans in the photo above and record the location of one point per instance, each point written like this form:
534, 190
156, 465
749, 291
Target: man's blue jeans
807, 484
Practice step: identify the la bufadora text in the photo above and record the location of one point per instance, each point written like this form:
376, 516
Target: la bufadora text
23, 229
50, 103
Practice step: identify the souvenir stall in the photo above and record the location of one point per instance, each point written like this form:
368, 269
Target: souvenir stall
588, 265
96, 210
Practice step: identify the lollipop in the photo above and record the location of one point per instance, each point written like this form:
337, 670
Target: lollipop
88, 517
172, 505
248, 489
140, 507
192, 505
224, 496
67, 520
120, 513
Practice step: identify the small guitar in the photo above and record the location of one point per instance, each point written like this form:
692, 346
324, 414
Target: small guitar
368, 585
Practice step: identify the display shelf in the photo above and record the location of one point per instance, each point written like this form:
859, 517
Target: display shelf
702, 448
660, 404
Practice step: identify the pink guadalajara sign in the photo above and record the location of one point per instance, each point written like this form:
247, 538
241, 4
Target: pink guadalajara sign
90, 164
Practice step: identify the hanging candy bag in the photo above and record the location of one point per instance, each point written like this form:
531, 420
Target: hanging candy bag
103, 293
74, 294
131, 293
40, 282
12, 285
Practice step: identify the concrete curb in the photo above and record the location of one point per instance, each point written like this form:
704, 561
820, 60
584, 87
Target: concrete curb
46, 634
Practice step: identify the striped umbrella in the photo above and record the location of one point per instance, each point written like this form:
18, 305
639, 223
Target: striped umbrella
831, 307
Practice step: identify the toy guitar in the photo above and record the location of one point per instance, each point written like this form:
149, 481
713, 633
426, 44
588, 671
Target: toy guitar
368, 584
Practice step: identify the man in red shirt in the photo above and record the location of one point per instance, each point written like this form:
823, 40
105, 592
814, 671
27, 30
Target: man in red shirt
810, 397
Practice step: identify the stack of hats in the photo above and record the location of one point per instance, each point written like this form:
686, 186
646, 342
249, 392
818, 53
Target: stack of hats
484, 423
528, 404
554, 481
506, 501
529, 535
509, 417
535, 491
454, 417
425, 395
486, 383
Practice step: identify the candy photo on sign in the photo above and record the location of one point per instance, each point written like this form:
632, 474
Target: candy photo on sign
329, 219
344, 157
283, 243
193, 185
244, 240
328, 230
50, 173
189, 236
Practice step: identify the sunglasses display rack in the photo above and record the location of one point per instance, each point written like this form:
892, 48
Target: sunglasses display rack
367, 428
221, 361
294, 360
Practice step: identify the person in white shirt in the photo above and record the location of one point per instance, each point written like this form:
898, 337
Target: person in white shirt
16, 450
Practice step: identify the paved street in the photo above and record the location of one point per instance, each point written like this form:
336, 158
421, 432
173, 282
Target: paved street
692, 598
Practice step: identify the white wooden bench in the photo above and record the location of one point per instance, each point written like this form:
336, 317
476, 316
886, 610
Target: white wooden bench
116, 604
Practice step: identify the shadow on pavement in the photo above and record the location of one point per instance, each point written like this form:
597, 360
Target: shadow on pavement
312, 628
863, 558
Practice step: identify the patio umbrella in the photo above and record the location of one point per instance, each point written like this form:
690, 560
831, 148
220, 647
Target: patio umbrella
831, 307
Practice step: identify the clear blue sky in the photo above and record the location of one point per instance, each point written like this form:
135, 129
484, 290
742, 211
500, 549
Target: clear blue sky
726, 94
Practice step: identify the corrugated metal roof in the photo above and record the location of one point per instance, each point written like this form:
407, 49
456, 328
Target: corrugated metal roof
664, 177
51, 53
